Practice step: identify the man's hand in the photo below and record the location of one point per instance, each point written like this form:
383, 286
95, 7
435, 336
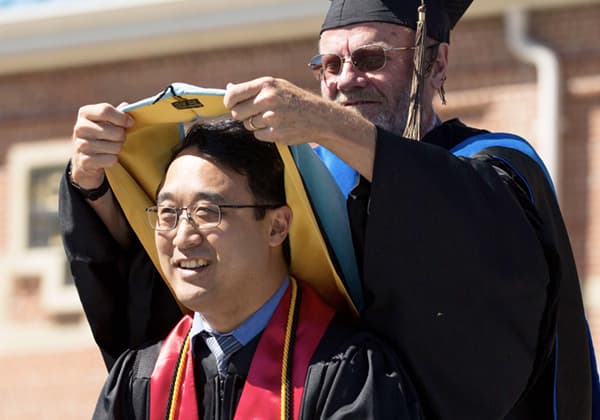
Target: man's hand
98, 137
278, 111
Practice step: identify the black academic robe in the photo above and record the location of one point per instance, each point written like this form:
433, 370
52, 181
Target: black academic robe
470, 261
462, 271
125, 300
351, 376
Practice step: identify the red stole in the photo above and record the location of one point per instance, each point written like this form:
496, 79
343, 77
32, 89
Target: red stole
261, 396
162, 375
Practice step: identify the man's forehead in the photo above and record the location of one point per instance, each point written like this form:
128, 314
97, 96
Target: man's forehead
192, 172
199, 171
369, 32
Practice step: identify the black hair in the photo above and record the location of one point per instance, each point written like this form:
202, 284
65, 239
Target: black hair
227, 142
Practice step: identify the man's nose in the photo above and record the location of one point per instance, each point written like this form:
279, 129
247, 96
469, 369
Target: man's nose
350, 77
186, 232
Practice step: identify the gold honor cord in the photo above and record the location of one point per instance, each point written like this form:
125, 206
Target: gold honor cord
288, 349
176, 382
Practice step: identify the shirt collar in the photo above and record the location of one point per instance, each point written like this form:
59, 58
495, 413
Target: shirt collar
252, 326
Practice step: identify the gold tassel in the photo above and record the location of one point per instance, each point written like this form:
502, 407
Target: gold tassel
413, 122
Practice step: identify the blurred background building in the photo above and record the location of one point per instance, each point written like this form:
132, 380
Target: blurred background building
530, 67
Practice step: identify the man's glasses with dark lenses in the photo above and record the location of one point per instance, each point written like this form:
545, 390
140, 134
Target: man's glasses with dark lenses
202, 216
366, 58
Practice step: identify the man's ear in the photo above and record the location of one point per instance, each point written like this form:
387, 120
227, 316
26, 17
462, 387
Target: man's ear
440, 67
281, 219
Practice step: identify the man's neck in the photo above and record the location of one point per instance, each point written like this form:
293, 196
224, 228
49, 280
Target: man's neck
250, 326
429, 121
429, 124
435, 122
224, 319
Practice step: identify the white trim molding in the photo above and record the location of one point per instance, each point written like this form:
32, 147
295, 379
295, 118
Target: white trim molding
64, 33
114, 30
48, 263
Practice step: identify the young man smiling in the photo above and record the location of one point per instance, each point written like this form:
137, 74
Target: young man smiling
259, 343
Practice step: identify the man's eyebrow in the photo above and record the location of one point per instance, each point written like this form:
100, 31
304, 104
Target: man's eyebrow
211, 197
215, 198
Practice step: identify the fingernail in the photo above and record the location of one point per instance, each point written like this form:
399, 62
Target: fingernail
130, 121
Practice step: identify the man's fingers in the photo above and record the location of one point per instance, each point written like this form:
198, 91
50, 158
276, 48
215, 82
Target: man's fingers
90, 130
122, 105
95, 162
244, 110
93, 147
236, 94
98, 136
105, 113
265, 134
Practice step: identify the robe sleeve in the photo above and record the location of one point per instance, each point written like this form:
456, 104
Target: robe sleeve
455, 277
124, 298
125, 394
364, 381
565, 317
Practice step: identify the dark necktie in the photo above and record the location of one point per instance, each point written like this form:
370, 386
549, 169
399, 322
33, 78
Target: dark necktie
222, 346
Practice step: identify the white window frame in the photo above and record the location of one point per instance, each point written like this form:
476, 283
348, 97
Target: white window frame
21, 260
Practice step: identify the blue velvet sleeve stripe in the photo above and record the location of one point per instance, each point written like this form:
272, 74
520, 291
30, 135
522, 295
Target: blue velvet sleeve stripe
554, 390
472, 145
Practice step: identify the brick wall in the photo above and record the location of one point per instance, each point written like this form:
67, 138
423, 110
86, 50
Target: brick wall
54, 385
487, 87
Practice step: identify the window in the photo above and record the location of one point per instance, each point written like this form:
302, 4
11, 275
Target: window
34, 245
43, 202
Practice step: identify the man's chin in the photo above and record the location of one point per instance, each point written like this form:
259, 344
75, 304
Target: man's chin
191, 296
389, 124
379, 114
366, 109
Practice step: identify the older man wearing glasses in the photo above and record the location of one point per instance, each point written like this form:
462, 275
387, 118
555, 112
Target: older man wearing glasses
466, 263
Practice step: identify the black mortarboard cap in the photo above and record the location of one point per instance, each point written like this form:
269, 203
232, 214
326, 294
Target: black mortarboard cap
442, 15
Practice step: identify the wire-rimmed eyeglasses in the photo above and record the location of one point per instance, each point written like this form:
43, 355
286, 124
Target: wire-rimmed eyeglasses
370, 57
201, 216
